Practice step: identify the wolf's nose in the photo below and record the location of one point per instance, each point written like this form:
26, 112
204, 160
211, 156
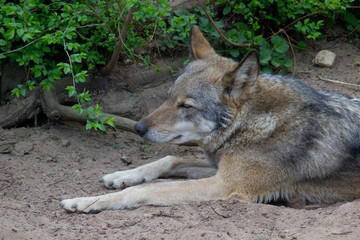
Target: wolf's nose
140, 128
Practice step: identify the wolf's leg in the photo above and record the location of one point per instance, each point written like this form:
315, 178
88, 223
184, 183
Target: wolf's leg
343, 186
160, 194
167, 166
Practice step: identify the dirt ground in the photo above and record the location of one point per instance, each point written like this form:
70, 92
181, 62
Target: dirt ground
41, 166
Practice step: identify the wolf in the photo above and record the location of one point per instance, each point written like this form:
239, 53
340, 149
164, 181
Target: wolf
264, 137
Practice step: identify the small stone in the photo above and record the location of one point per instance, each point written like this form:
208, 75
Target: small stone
65, 143
325, 58
125, 160
51, 159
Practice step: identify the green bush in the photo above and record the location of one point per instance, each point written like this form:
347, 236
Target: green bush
264, 25
57, 38
52, 38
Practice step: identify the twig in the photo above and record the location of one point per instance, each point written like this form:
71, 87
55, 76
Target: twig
293, 52
301, 18
341, 233
220, 33
95, 13
90, 40
221, 215
150, 156
162, 214
68, 55
89, 205
137, 56
6, 143
121, 16
352, 31
56, 182
338, 82
118, 44
18, 49
90, 25
122, 10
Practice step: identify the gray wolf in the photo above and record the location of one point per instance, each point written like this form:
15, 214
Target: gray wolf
264, 137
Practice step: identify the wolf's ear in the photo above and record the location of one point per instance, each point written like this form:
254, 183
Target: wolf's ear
241, 82
199, 46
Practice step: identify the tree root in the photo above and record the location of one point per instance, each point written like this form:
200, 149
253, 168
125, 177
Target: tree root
55, 111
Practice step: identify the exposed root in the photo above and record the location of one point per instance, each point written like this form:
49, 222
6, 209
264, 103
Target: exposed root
55, 111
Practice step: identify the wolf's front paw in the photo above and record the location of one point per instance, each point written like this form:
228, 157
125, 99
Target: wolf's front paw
122, 179
83, 204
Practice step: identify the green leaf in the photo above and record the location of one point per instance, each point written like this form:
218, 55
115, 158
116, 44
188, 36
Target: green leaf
314, 35
266, 70
30, 84
67, 69
276, 62
78, 108
20, 61
46, 49
301, 45
234, 52
288, 62
85, 97
9, 10
81, 76
259, 40
265, 56
110, 121
89, 125
98, 110
71, 90
9, 34
46, 83
2, 42
16, 92
23, 91
2, 56
20, 32
101, 127
227, 10
280, 45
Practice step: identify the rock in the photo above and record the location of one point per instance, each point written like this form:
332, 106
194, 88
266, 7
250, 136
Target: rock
125, 160
325, 58
24, 147
65, 142
184, 4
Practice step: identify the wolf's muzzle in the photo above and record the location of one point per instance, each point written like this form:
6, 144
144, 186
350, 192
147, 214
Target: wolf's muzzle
141, 128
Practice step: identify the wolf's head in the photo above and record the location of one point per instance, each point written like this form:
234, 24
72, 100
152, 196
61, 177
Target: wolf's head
205, 98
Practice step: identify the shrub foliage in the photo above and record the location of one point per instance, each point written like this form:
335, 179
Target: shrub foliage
51, 39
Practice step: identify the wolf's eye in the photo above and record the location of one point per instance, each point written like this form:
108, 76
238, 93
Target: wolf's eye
184, 105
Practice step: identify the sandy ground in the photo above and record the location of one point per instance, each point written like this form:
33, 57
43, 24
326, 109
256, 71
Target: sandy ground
53, 162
